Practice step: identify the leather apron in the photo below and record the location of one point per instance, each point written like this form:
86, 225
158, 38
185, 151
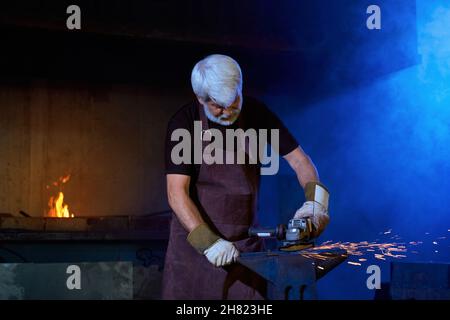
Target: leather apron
226, 196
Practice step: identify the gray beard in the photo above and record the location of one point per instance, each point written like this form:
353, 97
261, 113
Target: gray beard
218, 120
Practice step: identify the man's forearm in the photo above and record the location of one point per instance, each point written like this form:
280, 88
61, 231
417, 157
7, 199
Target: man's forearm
303, 166
200, 236
306, 172
185, 209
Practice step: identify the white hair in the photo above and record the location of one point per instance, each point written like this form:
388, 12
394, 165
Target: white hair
217, 77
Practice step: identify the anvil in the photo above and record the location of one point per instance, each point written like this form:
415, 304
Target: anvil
292, 275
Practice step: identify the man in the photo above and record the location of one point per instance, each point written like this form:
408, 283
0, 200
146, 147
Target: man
215, 204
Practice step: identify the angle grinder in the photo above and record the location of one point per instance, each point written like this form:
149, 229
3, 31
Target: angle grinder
297, 235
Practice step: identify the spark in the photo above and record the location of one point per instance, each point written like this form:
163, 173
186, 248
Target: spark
360, 249
364, 251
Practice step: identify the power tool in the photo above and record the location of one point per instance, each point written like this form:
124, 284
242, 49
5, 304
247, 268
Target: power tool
297, 235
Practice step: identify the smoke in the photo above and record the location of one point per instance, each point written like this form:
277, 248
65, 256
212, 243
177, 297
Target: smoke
384, 149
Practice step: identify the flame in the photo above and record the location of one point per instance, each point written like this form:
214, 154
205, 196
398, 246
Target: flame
64, 179
58, 209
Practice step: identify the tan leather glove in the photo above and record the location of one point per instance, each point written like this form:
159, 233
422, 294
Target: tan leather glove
218, 251
315, 207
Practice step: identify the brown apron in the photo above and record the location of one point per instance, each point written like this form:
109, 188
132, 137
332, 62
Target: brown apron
226, 196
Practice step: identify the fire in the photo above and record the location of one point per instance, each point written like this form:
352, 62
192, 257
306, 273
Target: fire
58, 209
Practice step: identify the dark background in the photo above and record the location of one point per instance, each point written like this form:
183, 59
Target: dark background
369, 106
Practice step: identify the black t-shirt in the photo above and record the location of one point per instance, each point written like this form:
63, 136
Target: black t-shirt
255, 115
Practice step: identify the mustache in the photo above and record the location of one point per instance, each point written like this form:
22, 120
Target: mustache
229, 117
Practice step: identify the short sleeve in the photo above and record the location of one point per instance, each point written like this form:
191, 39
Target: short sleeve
179, 121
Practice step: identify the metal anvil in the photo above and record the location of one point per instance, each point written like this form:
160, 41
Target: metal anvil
292, 275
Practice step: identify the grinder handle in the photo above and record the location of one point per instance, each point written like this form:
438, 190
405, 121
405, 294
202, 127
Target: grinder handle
279, 232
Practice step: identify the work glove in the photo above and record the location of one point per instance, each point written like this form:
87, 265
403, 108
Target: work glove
222, 253
218, 251
316, 207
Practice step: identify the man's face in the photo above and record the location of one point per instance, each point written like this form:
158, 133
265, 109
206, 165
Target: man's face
220, 114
